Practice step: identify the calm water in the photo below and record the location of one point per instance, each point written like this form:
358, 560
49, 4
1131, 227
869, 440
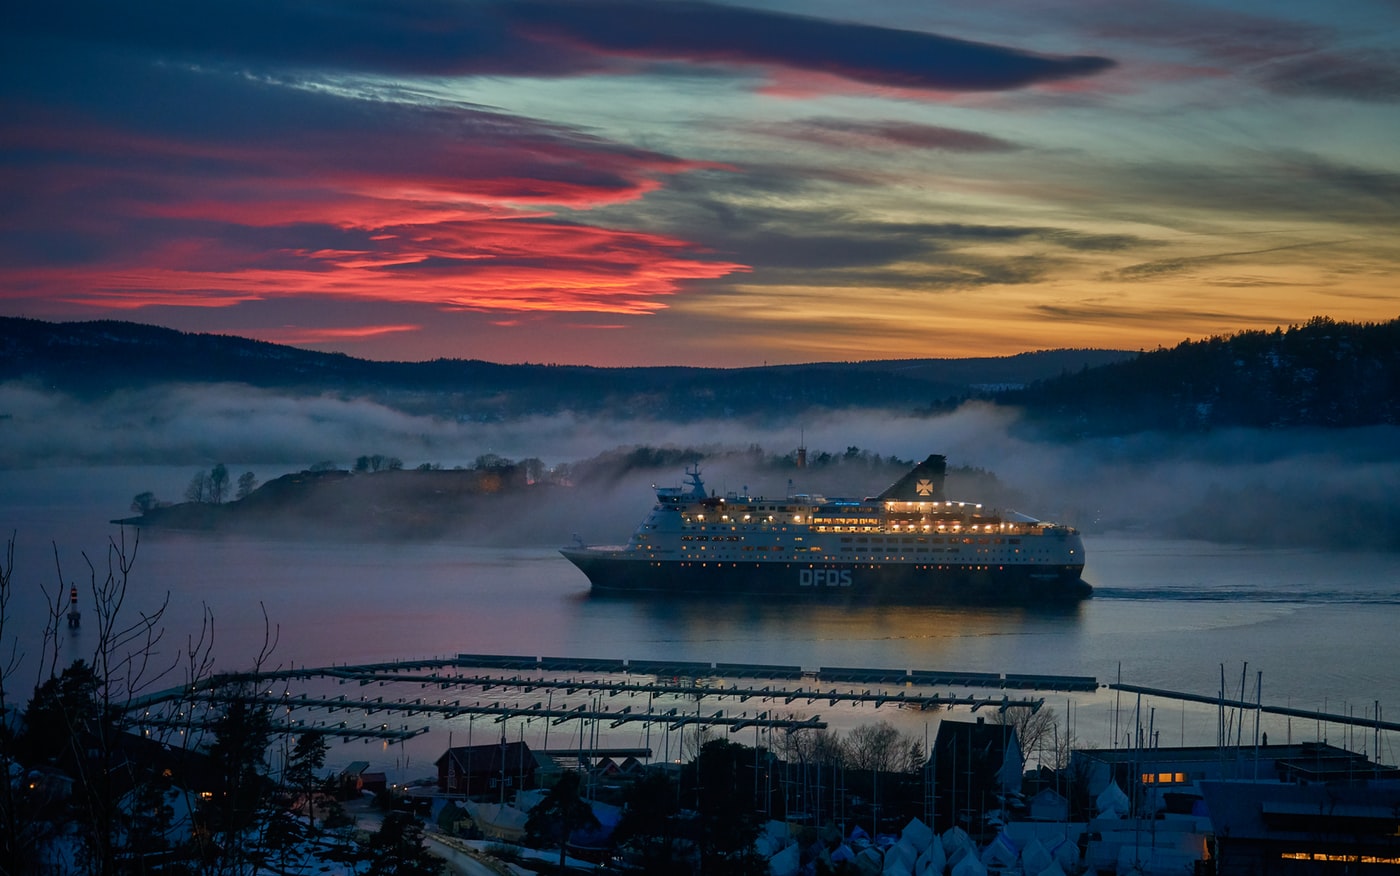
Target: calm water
1320, 626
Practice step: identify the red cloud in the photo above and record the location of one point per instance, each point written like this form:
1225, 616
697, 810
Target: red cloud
300, 336
489, 264
437, 218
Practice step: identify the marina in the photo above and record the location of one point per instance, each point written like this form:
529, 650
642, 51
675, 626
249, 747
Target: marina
667, 681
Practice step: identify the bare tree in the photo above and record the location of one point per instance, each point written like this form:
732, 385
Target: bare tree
808, 745
879, 747
238, 820
198, 489
123, 740
691, 743
24, 830
1062, 747
81, 719
1036, 730
126, 664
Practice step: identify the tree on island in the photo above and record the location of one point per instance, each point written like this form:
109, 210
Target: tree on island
378, 462
198, 489
208, 486
145, 502
218, 483
247, 483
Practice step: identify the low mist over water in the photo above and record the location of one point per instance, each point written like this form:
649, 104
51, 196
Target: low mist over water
1324, 488
1166, 612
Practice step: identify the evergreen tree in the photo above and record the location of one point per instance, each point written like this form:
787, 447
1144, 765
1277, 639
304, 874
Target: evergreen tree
648, 823
150, 820
397, 849
729, 821
562, 811
62, 715
239, 752
307, 757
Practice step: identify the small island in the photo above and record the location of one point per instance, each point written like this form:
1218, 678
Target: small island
378, 498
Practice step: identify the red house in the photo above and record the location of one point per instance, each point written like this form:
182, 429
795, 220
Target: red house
483, 769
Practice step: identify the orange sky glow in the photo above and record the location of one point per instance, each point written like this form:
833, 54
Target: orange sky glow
711, 185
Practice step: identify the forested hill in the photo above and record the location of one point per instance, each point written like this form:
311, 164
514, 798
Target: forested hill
1322, 374
93, 359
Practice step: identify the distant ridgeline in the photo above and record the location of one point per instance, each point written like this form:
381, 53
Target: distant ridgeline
1320, 374
94, 359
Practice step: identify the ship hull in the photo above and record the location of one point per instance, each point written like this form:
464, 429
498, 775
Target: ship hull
612, 571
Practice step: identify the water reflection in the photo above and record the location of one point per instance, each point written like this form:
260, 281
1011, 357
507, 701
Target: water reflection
826, 618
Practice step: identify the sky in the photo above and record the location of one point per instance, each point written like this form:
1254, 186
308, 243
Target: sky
648, 182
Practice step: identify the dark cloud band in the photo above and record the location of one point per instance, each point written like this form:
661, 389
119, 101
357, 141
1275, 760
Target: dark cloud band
544, 38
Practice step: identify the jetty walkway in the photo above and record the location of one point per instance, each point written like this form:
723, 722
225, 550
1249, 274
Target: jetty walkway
602, 679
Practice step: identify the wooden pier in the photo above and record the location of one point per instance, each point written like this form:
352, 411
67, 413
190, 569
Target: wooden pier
603, 679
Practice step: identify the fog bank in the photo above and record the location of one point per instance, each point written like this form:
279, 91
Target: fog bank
1317, 486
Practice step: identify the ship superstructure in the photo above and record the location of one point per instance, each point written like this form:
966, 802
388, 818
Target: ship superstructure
910, 543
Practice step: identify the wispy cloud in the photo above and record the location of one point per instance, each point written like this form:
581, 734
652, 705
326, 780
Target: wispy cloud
1279, 53
1144, 270
876, 136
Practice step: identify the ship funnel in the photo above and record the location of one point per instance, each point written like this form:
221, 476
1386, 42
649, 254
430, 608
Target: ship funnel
923, 484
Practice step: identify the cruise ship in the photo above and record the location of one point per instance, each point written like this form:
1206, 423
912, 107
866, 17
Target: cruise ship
908, 544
